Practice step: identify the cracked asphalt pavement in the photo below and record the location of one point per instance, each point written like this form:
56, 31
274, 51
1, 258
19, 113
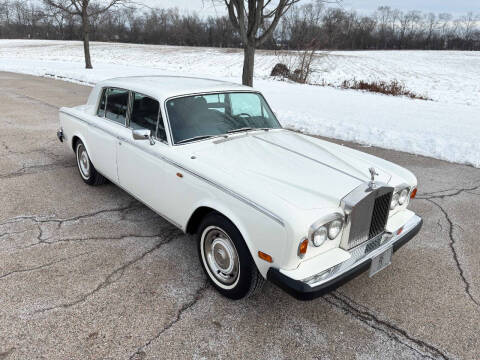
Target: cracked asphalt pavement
90, 273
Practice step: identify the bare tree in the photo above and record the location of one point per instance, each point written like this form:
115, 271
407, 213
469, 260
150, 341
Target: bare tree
255, 21
5, 12
467, 25
85, 9
431, 24
58, 19
301, 26
329, 27
383, 17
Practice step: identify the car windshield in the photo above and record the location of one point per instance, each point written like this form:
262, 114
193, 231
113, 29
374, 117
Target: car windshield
203, 116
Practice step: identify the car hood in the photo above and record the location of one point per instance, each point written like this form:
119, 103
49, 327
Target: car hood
303, 171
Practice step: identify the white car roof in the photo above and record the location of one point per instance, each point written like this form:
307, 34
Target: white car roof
163, 87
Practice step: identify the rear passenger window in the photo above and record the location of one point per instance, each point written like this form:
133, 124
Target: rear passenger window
101, 106
117, 104
145, 114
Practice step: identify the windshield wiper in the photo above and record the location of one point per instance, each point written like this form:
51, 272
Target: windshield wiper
200, 137
239, 130
247, 129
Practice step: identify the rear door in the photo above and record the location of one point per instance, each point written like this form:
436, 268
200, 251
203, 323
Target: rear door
103, 136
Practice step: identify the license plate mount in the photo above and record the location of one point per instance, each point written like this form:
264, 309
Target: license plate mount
381, 261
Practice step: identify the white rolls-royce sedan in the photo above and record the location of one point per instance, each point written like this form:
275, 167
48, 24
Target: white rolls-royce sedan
264, 202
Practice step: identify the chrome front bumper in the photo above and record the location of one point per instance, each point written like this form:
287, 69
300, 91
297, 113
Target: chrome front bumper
359, 261
60, 135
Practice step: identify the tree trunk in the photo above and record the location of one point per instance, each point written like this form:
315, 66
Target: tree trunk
86, 41
248, 62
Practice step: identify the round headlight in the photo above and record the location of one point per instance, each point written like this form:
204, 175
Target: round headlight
319, 236
334, 229
394, 202
403, 196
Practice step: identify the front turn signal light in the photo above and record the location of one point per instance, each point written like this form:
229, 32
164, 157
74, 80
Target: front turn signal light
302, 248
413, 194
265, 257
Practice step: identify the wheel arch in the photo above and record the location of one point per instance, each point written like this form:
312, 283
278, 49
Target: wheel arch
73, 143
202, 210
75, 139
196, 218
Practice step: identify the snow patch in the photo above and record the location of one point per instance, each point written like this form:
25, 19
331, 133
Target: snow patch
447, 128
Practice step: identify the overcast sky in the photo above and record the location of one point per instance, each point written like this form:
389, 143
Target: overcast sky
206, 7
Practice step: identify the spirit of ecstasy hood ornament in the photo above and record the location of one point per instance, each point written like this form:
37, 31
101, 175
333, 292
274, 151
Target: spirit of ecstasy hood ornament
373, 173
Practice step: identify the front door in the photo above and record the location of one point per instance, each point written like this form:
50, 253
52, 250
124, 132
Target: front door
140, 171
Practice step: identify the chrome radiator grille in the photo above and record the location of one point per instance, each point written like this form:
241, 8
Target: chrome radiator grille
381, 208
367, 214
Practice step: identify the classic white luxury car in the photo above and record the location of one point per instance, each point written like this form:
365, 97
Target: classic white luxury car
265, 202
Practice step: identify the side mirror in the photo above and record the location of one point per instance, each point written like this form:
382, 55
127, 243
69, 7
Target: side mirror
143, 134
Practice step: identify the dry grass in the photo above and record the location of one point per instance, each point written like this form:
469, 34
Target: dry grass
393, 88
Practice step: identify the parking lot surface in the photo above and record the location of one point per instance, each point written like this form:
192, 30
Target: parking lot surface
90, 273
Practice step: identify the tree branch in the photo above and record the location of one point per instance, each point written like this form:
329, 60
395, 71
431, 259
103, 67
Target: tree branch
107, 7
238, 19
69, 9
282, 7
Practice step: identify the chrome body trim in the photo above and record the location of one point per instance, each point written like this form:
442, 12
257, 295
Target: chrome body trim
365, 252
226, 190
329, 151
129, 109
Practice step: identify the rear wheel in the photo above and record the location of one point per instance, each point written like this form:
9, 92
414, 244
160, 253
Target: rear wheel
226, 258
85, 167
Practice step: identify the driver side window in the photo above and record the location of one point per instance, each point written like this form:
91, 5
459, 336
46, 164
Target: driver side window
245, 103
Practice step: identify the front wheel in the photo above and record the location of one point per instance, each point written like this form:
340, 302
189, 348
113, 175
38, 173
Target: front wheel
87, 171
226, 259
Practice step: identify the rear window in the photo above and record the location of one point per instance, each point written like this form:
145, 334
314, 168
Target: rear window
117, 104
101, 106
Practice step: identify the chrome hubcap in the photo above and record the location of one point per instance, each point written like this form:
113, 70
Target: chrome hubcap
83, 162
221, 255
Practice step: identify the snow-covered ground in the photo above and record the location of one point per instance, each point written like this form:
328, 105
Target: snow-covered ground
447, 128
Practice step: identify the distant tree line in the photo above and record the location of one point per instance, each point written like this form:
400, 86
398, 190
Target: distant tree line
386, 28
303, 26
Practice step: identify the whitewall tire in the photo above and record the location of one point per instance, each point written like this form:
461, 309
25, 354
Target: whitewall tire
226, 259
85, 167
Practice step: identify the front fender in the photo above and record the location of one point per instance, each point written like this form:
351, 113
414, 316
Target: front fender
259, 232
